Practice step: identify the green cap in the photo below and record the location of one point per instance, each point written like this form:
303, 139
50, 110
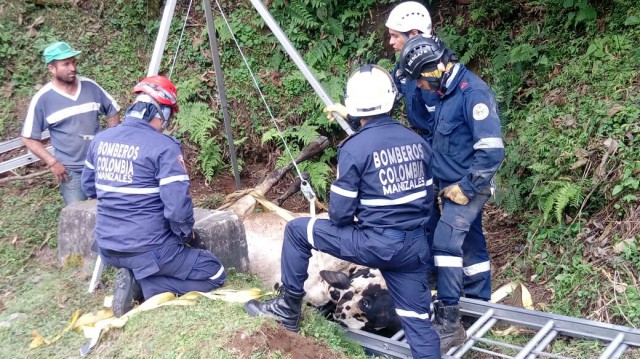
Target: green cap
59, 51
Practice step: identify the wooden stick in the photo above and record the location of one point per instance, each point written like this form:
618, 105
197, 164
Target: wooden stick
29, 176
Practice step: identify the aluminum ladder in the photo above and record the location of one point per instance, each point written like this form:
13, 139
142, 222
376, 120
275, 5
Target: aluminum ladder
22, 160
547, 325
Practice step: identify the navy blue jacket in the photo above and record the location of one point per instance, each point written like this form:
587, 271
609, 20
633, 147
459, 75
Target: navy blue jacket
384, 178
467, 143
420, 104
142, 185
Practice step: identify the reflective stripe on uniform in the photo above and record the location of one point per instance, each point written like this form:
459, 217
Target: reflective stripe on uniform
392, 202
89, 165
477, 268
312, 221
411, 314
343, 192
217, 275
447, 261
128, 190
168, 180
489, 142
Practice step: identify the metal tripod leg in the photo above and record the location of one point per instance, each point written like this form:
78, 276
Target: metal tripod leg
97, 274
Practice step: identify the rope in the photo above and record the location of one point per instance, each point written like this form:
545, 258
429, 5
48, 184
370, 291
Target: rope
255, 82
184, 25
305, 187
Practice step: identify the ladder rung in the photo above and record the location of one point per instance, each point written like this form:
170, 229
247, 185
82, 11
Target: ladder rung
399, 335
479, 323
572, 327
518, 348
469, 343
474, 328
494, 354
618, 353
611, 348
535, 340
543, 344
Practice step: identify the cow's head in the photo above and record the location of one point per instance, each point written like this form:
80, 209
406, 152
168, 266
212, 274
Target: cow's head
362, 299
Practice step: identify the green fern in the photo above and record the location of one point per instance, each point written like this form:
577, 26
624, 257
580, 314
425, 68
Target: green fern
319, 52
563, 195
305, 133
210, 158
300, 16
196, 122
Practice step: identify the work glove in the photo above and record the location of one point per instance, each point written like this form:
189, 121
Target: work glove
454, 193
338, 108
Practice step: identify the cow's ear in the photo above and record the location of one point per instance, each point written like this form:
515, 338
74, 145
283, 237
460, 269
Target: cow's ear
336, 279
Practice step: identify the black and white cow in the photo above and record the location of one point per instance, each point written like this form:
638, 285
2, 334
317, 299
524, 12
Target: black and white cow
359, 293
362, 299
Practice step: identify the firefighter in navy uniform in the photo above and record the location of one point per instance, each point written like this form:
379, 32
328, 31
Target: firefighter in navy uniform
145, 214
405, 21
379, 206
467, 151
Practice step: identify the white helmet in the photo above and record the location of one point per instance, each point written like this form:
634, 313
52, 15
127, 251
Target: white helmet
370, 91
409, 16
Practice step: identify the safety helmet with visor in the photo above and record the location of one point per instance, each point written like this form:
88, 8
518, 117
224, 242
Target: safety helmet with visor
410, 15
421, 58
160, 92
370, 91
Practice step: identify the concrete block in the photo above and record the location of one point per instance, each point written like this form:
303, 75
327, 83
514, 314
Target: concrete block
222, 233
75, 231
219, 231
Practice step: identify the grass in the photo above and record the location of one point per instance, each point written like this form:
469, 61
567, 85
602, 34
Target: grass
48, 293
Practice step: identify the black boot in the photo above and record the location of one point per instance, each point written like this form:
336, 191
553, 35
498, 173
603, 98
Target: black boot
447, 325
126, 291
285, 309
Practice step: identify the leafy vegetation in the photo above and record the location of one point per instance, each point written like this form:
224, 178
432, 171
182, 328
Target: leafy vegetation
565, 73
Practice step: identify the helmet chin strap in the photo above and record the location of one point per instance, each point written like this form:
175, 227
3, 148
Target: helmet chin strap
446, 73
159, 112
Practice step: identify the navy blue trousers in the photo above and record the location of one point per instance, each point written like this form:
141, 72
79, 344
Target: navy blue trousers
172, 268
401, 257
460, 251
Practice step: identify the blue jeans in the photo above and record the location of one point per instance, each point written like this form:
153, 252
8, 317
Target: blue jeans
460, 251
72, 188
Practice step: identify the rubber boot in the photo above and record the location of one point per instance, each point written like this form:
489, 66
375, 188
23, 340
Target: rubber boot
126, 291
285, 309
447, 325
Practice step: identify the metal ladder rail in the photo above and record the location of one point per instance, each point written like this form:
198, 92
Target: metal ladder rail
379, 345
17, 162
620, 337
486, 322
480, 328
9, 145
